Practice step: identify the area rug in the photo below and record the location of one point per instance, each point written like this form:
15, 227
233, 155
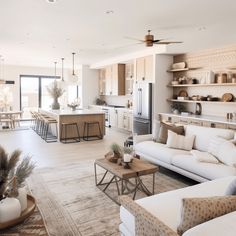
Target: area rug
72, 205
33, 226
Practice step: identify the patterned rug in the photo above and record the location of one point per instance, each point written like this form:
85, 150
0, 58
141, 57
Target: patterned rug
33, 226
72, 205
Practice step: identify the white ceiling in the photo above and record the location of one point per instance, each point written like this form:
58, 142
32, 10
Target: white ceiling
34, 32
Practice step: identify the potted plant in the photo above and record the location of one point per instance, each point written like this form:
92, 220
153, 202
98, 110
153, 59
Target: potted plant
74, 104
55, 92
177, 108
115, 153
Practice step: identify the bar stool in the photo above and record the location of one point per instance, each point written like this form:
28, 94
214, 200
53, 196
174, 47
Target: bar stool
64, 126
48, 122
87, 126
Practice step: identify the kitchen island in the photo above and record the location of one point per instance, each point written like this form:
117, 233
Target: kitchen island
79, 116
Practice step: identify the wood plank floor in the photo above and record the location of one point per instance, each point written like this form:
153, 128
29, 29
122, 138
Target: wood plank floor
52, 154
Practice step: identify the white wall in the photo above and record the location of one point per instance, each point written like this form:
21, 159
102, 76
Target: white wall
90, 84
162, 79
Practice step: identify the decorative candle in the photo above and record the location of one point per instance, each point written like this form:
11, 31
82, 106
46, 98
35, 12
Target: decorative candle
10, 209
127, 157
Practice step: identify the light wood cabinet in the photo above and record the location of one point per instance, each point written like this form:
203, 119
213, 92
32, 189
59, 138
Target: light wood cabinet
113, 118
129, 78
144, 69
102, 81
114, 80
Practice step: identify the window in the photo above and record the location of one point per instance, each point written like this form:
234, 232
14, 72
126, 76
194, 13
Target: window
33, 93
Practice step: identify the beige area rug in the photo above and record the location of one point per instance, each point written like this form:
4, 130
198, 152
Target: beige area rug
33, 226
72, 205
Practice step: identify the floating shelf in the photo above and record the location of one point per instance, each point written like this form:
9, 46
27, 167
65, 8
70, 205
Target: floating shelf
179, 70
206, 102
232, 68
200, 85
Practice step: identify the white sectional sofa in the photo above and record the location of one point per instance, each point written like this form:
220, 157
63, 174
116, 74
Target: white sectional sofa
165, 208
182, 161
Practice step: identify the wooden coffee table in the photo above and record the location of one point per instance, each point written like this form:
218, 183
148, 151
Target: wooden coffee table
121, 177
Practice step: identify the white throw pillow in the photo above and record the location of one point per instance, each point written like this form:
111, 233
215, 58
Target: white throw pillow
204, 157
214, 145
180, 141
227, 153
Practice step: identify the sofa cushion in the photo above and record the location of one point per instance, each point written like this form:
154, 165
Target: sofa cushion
158, 151
180, 141
163, 132
166, 206
223, 225
205, 134
227, 153
207, 170
196, 211
204, 157
231, 190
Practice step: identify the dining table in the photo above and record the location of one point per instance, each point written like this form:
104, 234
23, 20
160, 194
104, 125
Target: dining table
8, 119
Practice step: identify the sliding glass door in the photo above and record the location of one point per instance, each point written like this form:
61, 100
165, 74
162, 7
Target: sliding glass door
34, 94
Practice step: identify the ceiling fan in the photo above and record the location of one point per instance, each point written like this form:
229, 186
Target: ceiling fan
149, 40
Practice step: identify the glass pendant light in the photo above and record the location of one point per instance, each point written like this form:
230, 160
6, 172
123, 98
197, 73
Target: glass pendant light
62, 69
55, 70
74, 78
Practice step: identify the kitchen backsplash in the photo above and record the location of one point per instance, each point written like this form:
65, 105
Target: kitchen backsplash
117, 100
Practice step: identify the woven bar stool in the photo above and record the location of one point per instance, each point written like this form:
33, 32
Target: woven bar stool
64, 130
87, 126
49, 137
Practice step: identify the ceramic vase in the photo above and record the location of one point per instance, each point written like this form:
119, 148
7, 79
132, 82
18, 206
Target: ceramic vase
10, 209
22, 197
55, 104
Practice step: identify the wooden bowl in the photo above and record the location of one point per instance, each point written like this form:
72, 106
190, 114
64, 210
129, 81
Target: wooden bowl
31, 204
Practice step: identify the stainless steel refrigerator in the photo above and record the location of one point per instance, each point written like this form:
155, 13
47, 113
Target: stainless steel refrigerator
142, 108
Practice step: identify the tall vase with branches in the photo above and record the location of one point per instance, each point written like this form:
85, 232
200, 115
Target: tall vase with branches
13, 172
55, 92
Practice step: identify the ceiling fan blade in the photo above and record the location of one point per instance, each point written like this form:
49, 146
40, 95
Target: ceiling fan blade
135, 39
170, 42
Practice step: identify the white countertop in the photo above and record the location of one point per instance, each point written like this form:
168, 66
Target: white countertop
69, 112
112, 107
219, 119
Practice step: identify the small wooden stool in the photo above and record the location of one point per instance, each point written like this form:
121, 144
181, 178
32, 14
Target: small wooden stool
87, 126
75, 139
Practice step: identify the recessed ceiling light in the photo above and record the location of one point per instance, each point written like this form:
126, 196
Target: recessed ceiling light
201, 28
109, 12
51, 1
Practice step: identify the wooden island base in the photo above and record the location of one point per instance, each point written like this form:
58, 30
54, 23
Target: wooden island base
79, 117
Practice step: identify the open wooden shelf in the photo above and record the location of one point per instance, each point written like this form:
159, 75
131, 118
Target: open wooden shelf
200, 85
179, 70
206, 102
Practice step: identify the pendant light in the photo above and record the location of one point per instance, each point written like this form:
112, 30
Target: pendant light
62, 69
74, 78
55, 70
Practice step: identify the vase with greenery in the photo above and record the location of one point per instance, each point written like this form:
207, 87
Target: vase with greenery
13, 172
177, 108
55, 92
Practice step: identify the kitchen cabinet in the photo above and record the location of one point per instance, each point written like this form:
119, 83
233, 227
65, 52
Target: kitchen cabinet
108, 80
112, 80
144, 69
125, 120
130, 121
113, 113
129, 78
102, 82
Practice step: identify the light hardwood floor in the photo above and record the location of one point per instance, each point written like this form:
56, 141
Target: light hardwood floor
52, 154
